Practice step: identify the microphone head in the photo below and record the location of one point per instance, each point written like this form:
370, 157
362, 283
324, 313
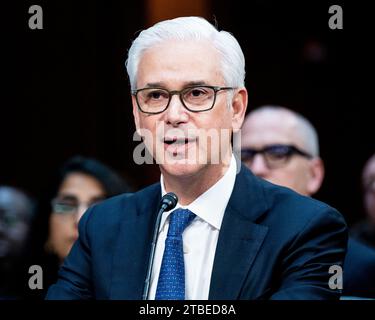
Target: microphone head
169, 201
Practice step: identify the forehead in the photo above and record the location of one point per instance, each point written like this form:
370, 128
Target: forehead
176, 62
81, 185
267, 128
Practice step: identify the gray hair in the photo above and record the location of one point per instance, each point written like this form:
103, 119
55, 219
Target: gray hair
305, 129
190, 28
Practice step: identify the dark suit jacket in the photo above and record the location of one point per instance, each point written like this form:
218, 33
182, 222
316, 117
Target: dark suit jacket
273, 243
359, 270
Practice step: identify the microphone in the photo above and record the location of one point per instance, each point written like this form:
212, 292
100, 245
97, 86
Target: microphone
168, 202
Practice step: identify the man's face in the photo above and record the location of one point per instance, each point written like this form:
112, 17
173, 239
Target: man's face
175, 65
264, 129
14, 222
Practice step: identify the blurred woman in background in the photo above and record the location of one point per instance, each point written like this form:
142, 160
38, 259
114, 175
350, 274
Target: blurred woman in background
80, 183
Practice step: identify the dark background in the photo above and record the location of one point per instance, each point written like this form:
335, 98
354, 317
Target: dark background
64, 89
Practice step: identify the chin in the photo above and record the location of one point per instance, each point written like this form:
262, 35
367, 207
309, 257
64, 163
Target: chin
181, 169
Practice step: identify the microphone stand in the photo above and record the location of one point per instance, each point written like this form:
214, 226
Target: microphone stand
168, 202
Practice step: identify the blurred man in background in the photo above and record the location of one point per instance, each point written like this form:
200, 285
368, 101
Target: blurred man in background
16, 211
364, 231
282, 147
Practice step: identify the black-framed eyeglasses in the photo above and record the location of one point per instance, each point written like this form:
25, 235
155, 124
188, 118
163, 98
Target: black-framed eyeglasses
275, 156
195, 98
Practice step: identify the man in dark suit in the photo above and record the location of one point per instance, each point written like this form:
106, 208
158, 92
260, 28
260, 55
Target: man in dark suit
232, 235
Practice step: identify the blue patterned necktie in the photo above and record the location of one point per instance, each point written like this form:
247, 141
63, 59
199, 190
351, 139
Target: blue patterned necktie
171, 283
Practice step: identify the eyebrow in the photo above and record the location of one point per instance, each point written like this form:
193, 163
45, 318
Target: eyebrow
67, 197
70, 197
186, 84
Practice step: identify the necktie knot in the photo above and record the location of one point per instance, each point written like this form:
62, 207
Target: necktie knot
179, 220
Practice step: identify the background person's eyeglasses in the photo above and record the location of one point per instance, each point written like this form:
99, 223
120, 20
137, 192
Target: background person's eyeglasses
194, 99
71, 206
275, 156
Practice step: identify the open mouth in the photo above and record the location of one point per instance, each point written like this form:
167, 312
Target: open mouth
177, 141
178, 145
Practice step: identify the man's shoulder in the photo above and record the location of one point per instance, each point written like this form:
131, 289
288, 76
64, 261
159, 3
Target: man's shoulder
284, 205
115, 208
290, 208
284, 197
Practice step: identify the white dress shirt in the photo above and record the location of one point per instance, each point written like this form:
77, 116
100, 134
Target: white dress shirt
200, 237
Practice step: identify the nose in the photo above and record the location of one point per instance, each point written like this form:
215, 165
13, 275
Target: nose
176, 112
259, 167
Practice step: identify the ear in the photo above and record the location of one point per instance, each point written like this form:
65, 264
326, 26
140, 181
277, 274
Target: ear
239, 106
136, 114
316, 173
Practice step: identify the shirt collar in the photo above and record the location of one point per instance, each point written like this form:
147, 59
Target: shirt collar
209, 206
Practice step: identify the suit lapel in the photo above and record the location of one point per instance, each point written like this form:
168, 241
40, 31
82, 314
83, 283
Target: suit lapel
240, 238
133, 246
